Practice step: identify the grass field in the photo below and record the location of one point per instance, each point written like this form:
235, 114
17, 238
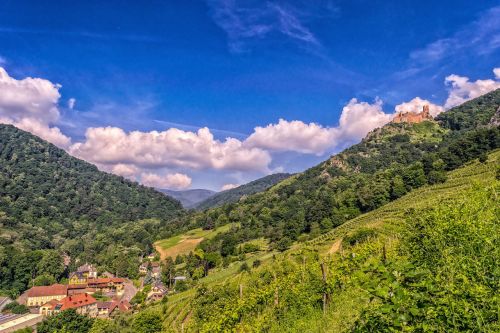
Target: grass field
187, 242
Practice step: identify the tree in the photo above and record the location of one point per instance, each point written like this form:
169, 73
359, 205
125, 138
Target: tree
67, 320
147, 322
44, 280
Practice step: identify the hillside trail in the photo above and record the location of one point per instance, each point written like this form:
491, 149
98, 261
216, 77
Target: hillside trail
335, 246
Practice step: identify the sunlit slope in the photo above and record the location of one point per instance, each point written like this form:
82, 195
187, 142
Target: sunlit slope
388, 221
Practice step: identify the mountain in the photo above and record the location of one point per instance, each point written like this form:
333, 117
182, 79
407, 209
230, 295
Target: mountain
235, 194
51, 202
189, 198
40, 181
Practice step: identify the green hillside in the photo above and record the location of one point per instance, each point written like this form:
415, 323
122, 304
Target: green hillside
50, 200
236, 194
367, 258
359, 258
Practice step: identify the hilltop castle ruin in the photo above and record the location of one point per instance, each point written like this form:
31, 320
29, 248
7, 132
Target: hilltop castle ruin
412, 117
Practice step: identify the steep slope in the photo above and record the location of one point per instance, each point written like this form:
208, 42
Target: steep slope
235, 194
41, 181
416, 263
189, 198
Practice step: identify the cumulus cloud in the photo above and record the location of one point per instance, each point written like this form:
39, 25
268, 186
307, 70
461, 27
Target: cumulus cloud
170, 148
356, 120
226, 187
359, 118
124, 170
416, 105
292, 136
31, 104
462, 89
177, 181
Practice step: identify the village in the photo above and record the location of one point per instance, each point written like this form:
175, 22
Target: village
88, 293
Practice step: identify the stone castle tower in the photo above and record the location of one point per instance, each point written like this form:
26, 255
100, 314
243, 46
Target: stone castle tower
412, 117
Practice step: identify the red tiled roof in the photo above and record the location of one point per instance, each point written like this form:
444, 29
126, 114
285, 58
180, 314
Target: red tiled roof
76, 301
53, 290
121, 305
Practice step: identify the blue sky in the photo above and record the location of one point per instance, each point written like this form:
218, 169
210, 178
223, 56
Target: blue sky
234, 65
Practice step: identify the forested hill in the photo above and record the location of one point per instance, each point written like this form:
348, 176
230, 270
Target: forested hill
40, 182
52, 203
235, 194
388, 163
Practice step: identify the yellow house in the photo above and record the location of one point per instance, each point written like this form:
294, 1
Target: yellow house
77, 278
38, 296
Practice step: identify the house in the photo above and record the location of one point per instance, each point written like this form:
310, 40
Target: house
84, 304
119, 306
143, 268
74, 289
77, 278
37, 296
107, 309
103, 309
151, 256
106, 284
158, 290
155, 270
88, 270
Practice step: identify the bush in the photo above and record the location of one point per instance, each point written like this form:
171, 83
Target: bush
359, 236
16, 308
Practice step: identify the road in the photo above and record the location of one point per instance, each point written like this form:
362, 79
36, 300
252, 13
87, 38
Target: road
129, 291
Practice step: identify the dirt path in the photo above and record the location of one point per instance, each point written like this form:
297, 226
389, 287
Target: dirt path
335, 247
183, 247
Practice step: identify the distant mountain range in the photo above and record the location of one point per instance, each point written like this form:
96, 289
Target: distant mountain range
189, 198
235, 194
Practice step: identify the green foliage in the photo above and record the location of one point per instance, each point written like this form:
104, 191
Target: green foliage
359, 236
66, 321
435, 269
16, 308
450, 281
147, 322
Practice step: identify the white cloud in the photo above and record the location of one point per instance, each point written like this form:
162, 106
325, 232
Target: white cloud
359, 118
177, 181
416, 105
496, 71
293, 136
226, 187
356, 120
170, 148
125, 170
3, 61
71, 103
31, 104
462, 90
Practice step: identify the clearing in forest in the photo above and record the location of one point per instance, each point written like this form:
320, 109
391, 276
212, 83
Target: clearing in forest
187, 242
